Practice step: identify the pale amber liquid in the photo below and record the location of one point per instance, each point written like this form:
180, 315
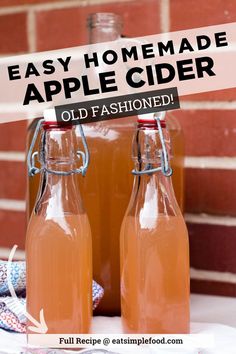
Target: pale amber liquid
106, 191
155, 276
59, 279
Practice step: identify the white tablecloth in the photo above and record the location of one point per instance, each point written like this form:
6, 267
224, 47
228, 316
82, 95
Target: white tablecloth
209, 315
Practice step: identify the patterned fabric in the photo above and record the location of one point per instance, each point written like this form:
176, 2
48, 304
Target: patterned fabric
12, 311
18, 276
12, 316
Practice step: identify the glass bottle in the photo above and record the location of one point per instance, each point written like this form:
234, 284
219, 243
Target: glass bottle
107, 187
58, 241
154, 241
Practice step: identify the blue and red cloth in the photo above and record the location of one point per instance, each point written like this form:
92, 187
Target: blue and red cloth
12, 311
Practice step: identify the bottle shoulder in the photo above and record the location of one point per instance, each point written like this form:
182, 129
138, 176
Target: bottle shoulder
71, 226
161, 226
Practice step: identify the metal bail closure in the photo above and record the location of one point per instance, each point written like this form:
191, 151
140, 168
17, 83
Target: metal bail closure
165, 167
33, 170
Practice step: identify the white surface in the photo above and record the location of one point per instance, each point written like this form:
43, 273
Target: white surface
213, 312
213, 309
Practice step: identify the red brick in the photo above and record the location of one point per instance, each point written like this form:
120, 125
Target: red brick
13, 33
13, 136
208, 132
210, 191
212, 247
13, 180
67, 27
13, 228
212, 288
187, 14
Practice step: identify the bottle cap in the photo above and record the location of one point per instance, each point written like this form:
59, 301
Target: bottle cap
49, 115
149, 118
50, 120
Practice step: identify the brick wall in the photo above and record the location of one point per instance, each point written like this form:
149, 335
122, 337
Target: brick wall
208, 120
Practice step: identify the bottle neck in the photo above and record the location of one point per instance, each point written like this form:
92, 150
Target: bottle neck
147, 147
58, 192
57, 150
104, 27
153, 193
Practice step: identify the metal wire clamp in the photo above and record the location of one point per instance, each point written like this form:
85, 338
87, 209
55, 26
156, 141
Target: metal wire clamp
165, 167
33, 170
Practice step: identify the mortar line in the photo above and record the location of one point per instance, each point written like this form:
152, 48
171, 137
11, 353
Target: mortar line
208, 219
31, 31
165, 15
5, 251
210, 275
210, 162
12, 204
12, 156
